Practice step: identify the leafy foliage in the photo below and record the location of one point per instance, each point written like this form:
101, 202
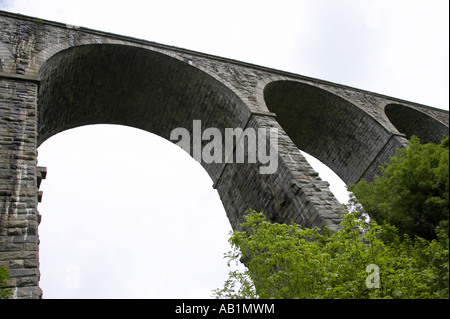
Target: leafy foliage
4, 277
413, 191
4, 293
408, 203
285, 261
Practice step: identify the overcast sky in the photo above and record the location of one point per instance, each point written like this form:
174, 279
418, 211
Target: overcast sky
129, 215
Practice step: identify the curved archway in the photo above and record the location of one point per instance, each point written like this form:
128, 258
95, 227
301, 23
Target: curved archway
135, 87
117, 84
118, 218
333, 130
411, 122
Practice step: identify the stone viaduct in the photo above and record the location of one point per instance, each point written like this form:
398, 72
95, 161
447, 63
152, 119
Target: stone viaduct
54, 77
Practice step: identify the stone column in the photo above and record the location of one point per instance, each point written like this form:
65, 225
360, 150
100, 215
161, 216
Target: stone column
395, 141
19, 218
294, 193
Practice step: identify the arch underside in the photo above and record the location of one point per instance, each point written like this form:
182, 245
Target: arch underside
326, 126
115, 84
413, 122
340, 134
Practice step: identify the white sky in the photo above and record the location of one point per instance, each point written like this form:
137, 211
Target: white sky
133, 215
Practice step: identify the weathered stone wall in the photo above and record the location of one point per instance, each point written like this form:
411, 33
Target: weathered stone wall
19, 217
294, 194
54, 77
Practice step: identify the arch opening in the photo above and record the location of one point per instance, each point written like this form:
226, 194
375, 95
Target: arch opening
111, 226
331, 129
132, 87
411, 122
337, 185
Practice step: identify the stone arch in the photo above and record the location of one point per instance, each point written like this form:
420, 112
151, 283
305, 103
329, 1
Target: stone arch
330, 128
155, 92
410, 121
127, 85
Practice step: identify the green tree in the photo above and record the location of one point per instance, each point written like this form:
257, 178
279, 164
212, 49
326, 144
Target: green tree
413, 191
409, 201
4, 293
285, 261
